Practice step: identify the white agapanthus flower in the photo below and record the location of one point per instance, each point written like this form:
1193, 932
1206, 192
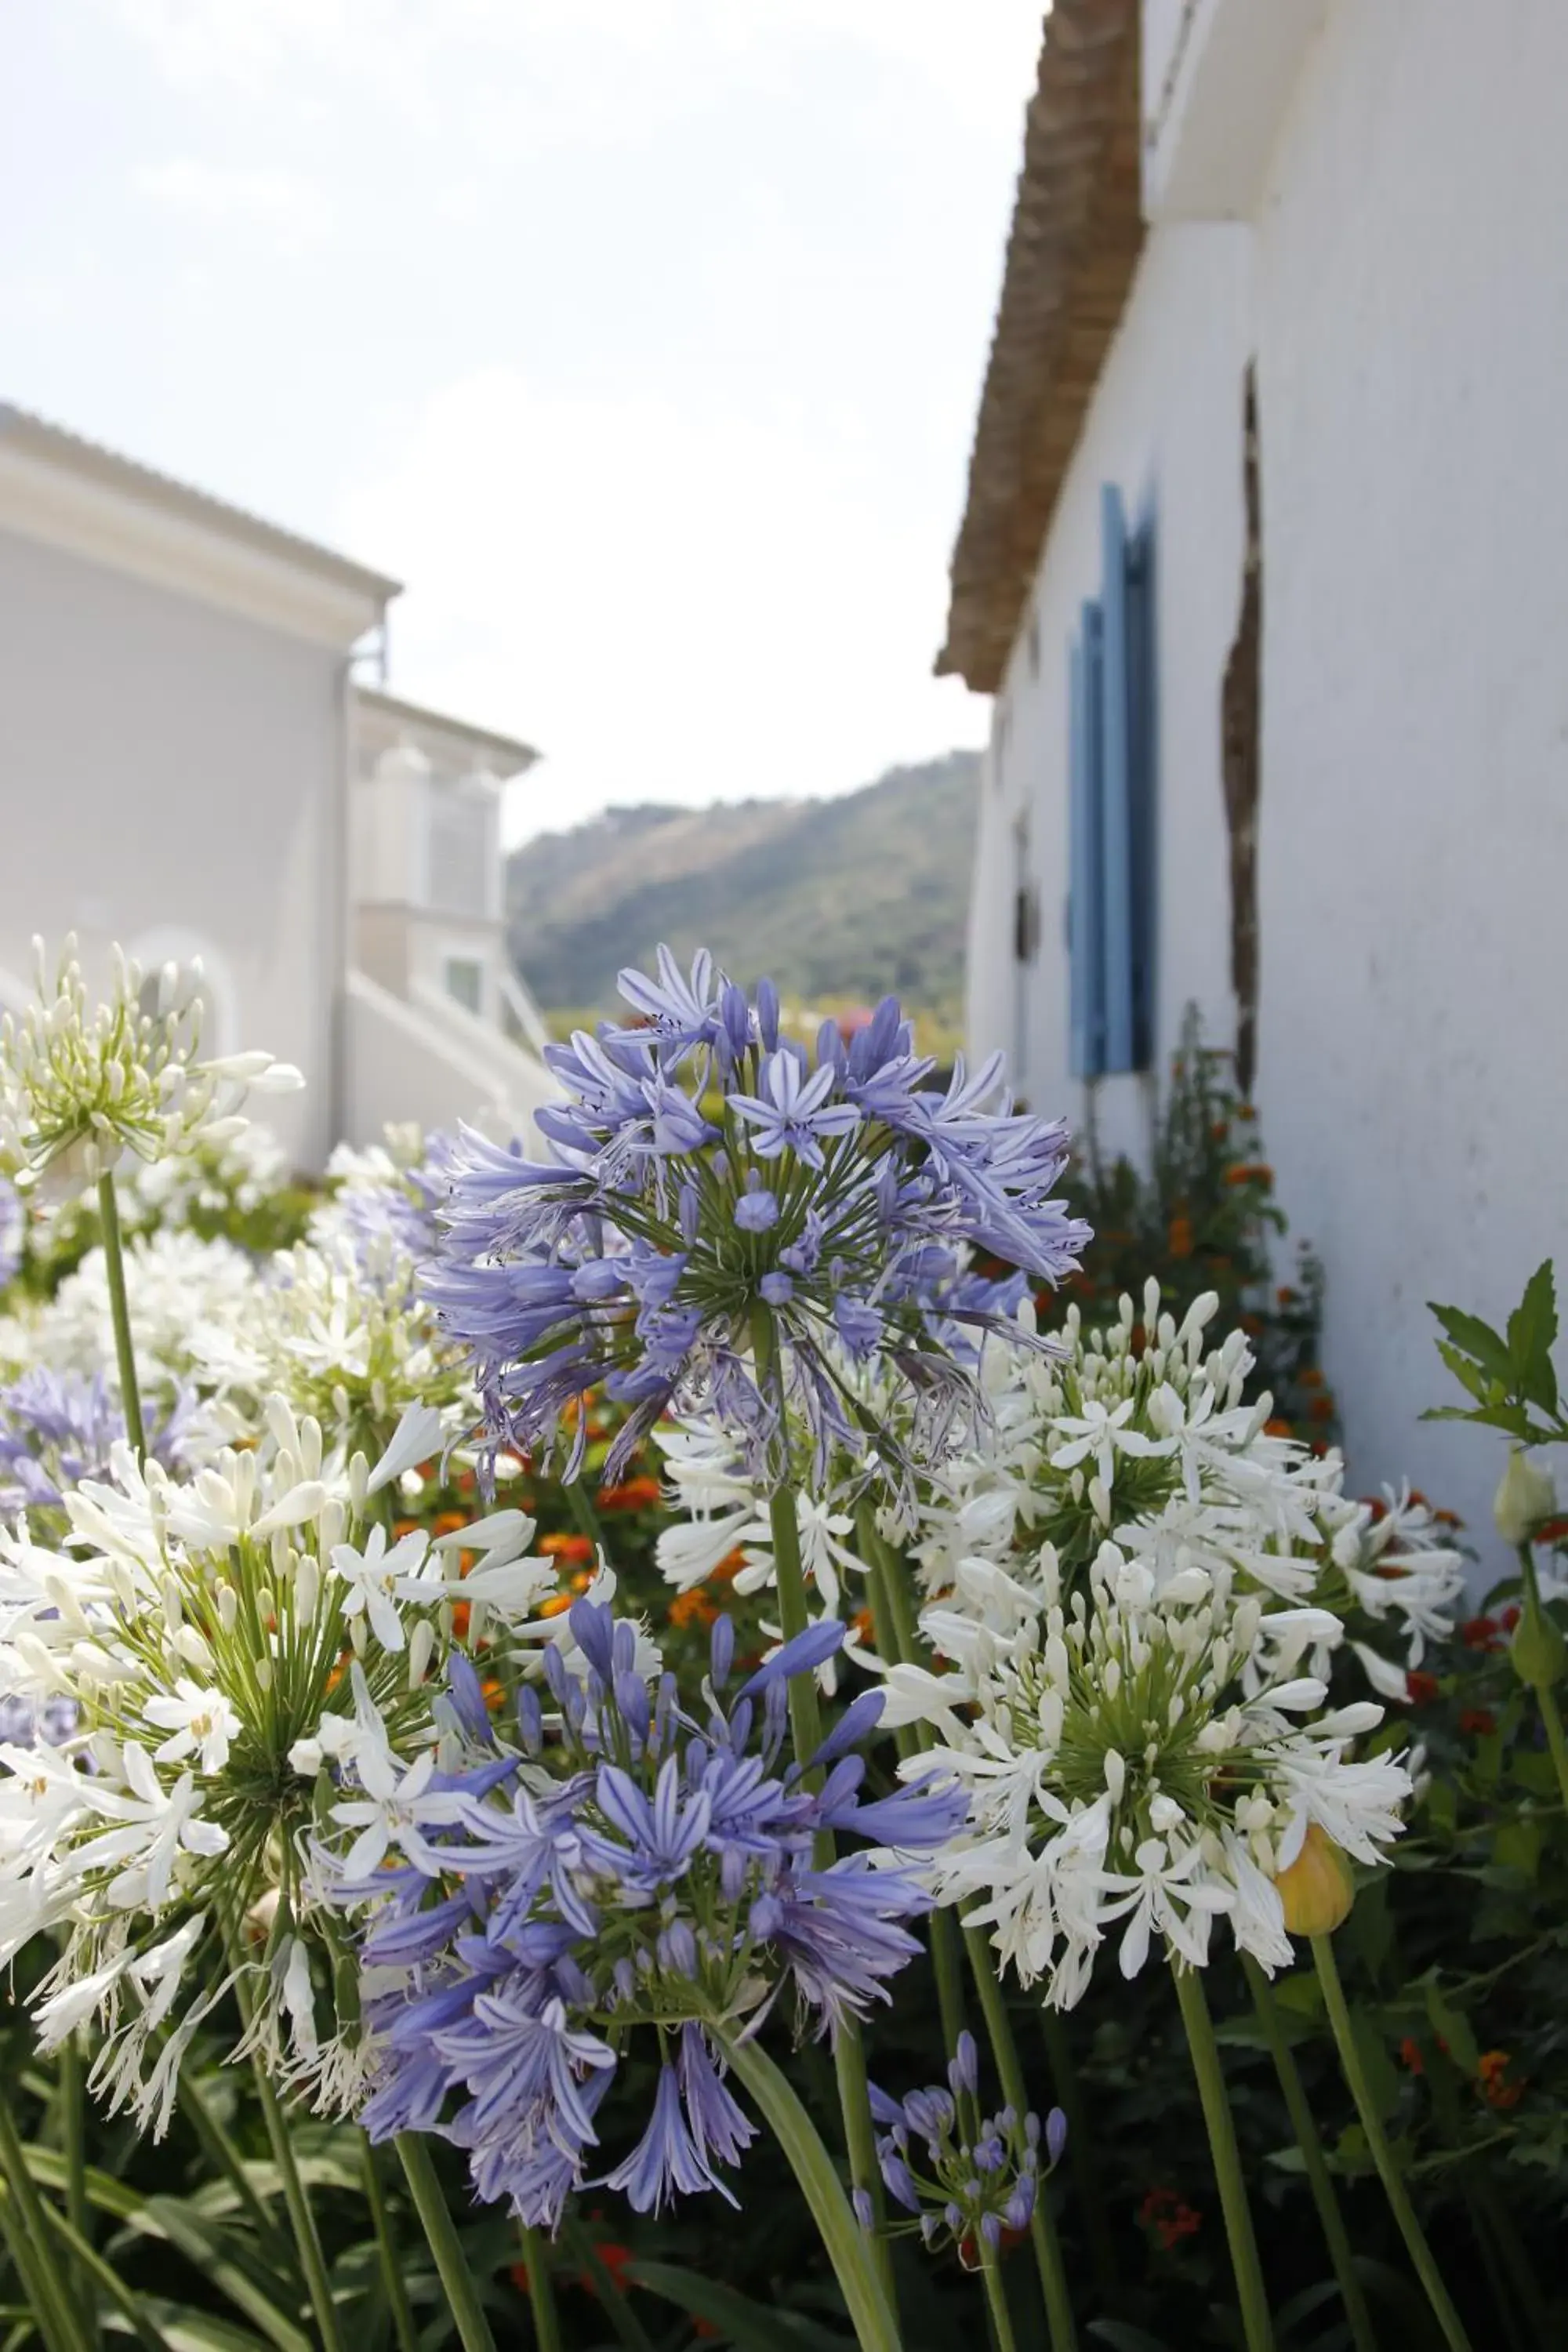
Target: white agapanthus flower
1141, 1435
1143, 1756
350, 1351
243, 1652
80, 1090
181, 1291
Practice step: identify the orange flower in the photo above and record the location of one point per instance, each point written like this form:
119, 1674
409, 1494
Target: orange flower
1286, 1296
401, 1528
556, 1606
729, 1568
461, 1612
1491, 2080
1275, 1428
865, 1625
1250, 1172
692, 1608
566, 1548
1311, 1378
1179, 1236
447, 1523
1320, 1408
1410, 2055
633, 1494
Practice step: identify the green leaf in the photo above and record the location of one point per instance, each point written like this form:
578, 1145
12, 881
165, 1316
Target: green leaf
214, 2257
1470, 1376
1122, 2337
747, 2324
183, 2330
1476, 1338
1452, 2027
1531, 1335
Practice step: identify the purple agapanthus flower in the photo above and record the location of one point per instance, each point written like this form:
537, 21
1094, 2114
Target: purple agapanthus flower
727, 1225
58, 1428
628, 1868
964, 2177
13, 1231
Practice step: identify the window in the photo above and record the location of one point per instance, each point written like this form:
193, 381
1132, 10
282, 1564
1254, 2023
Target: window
1111, 808
466, 980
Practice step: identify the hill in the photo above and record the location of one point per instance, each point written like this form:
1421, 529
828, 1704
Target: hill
837, 901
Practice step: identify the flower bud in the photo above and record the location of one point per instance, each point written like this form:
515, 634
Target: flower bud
1316, 1891
1525, 1500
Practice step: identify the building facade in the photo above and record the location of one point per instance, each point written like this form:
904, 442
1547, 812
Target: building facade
1260, 565
179, 729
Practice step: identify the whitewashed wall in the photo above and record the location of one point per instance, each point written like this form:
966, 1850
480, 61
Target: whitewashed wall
1404, 286
1412, 290
170, 775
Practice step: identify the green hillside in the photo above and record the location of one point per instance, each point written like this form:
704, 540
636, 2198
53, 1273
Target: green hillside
837, 901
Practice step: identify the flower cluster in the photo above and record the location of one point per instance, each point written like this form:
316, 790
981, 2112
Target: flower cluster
980, 2174
1143, 1749
726, 1225
614, 1865
1138, 1431
77, 1091
196, 1631
58, 1429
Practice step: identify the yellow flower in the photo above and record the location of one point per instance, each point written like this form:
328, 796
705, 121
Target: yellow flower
1316, 1891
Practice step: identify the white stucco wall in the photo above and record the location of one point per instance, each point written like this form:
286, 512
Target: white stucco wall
167, 769
1412, 290
1405, 287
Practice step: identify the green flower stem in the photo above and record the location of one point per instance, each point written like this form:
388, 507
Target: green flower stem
1015, 2091
899, 1639
120, 1312
541, 2290
224, 2156
997, 2300
1538, 1627
870, 2312
1319, 2180
1080, 2155
441, 2237
397, 2303
946, 1960
583, 1511
1256, 2327
33, 2249
1398, 2196
73, 2118
805, 1725
301, 2221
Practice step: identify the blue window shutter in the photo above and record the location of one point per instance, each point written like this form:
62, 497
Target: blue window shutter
1086, 967
1117, 824
1142, 735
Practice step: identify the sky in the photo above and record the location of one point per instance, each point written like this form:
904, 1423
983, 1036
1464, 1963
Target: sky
641, 339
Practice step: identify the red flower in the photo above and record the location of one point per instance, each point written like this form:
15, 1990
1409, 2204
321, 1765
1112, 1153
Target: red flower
1170, 2217
1552, 1531
1477, 1720
1420, 1689
1492, 2082
1410, 2055
1480, 1634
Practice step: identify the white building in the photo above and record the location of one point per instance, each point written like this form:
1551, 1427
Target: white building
1287, 733
186, 766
